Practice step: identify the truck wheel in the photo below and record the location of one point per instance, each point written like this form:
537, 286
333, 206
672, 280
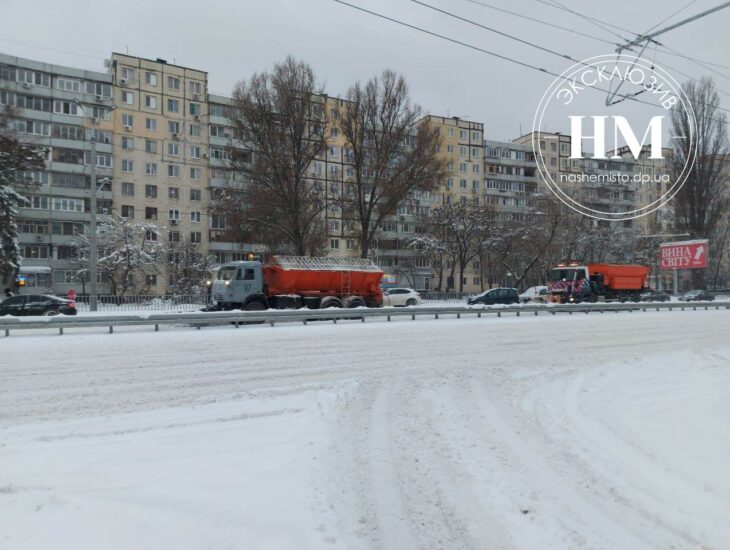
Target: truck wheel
330, 301
356, 301
254, 306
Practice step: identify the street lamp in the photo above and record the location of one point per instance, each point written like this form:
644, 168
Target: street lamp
93, 252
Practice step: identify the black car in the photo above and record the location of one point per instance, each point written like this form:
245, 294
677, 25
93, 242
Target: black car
697, 296
655, 296
496, 296
36, 304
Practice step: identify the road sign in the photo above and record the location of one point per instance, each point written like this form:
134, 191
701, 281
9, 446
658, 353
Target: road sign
683, 255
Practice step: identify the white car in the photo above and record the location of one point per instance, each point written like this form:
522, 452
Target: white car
401, 297
534, 294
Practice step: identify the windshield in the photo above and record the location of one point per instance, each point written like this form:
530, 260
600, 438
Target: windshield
560, 274
226, 273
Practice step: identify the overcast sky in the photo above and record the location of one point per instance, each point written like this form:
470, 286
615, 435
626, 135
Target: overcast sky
233, 39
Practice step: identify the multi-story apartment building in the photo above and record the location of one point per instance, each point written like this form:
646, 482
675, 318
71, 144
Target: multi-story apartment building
161, 131
162, 158
59, 108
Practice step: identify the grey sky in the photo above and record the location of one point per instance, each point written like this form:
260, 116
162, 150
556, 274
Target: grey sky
231, 40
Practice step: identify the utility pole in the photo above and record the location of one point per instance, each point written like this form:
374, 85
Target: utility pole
93, 244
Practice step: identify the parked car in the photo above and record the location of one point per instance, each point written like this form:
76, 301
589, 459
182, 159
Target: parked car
697, 296
36, 304
534, 294
401, 297
495, 296
655, 296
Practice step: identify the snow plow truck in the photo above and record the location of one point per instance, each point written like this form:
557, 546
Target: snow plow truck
292, 282
571, 282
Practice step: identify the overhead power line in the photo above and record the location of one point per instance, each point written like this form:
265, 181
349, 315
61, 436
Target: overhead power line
528, 43
602, 24
484, 51
542, 22
652, 35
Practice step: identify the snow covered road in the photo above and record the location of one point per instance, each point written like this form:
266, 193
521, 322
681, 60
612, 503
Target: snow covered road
598, 431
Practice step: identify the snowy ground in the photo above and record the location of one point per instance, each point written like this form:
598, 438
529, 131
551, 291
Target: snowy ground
598, 431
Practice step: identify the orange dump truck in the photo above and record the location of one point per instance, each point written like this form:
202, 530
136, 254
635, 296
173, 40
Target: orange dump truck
289, 282
571, 282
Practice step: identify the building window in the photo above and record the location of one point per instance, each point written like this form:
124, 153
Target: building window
173, 236
151, 235
196, 173
150, 102
68, 84
150, 79
127, 189
127, 120
150, 146
150, 191
462, 167
150, 213
195, 87
65, 107
98, 89
127, 166
173, 170
127, 142
195, 152
151, 124
334, 244
128, 74
196, 237
173, 105
173, 193
173, 127
195, 130
35, 252
127, 97
195, 216
127, 211
173, 214
150, 168
173, 82
151, 280
173, 149
194, 109
196, 194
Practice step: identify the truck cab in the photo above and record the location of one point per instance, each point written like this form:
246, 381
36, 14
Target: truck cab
568, 283
237, 284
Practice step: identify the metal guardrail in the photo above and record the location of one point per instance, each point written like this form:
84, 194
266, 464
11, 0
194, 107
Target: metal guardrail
272, 317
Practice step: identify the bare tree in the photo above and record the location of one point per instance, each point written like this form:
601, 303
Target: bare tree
703, 200
393, 154
15, 159
279, 119
467, 227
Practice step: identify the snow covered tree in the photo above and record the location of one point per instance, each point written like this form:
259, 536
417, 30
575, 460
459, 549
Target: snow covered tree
16, 158
128, 252
187, 267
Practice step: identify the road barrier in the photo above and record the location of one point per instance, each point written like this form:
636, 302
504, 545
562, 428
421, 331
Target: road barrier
272, 317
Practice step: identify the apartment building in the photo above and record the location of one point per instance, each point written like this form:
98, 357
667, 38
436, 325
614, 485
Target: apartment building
161, 130
60, 108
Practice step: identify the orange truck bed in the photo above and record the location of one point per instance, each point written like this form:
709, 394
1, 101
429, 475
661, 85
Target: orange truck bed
340, 277
621, 277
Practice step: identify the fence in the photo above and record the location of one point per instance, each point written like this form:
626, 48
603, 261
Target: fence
110, 304
273, 317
